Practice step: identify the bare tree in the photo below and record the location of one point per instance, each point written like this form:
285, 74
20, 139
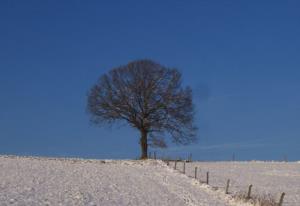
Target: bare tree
150, 98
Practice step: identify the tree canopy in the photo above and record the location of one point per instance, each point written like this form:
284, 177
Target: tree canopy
149, 97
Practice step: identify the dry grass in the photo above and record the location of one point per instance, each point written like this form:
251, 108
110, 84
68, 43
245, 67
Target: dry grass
258, 200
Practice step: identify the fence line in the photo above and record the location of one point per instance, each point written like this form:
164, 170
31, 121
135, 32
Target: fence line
197, 176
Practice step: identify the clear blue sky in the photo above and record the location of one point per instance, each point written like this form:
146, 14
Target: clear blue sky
241, 57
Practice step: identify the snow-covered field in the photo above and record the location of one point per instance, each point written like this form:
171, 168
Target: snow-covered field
266, 177
49, 181
44, 181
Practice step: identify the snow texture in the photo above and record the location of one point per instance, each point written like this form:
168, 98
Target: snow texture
266, 177
46, 181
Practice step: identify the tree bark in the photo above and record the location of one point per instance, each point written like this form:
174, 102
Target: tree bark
144, 144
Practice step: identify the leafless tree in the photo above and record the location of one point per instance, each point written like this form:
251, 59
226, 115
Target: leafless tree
150, 98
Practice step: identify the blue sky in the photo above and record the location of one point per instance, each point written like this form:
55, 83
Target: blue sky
240, 57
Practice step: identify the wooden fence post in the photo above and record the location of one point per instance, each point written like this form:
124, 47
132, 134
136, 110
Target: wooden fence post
190, 157
207, 177
227, 186
196, 172
175, 165
183, 167
281, 199
249, 192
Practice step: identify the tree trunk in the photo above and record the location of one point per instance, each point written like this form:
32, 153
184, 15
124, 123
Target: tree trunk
144, 144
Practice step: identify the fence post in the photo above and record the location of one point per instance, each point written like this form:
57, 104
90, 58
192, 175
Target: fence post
155, 155
190, 157
149, 155
183, 167
227, 186
249, 192
281, 199
207, 177
175, 165
196, 172
285, 158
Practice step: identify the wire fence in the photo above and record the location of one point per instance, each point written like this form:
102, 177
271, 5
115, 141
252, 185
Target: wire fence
229, 186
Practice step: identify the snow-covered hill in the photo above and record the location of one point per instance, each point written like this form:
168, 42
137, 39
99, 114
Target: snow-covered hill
267, 178
45, 181
52, 181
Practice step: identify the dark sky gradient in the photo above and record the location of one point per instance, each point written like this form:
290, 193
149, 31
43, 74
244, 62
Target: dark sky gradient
242, 58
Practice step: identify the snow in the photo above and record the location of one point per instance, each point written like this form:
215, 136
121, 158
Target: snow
266, 177
50, 181
58, 181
